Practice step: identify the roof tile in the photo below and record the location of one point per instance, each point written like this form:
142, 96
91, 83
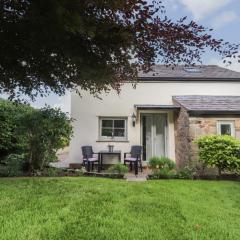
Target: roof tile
209, 103
161, 72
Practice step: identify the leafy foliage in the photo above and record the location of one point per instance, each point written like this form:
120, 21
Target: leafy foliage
97, 45
11, 139
118, 168
47, 130
13, 166
221, 152
161, 162
187, 173
162, 167
36, 133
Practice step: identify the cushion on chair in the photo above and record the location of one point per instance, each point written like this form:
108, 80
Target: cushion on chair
130, 159
90, 159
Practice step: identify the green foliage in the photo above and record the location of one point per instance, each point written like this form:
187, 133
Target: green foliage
47, 130
161, 162
118, 168
51, 172
162, 167
11, 119
54, 45
14, 165
186, 173
221, 152
36, 133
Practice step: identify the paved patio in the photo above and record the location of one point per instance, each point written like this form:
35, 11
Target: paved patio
131, 177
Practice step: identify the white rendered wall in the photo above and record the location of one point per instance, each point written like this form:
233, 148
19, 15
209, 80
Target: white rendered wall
86, 110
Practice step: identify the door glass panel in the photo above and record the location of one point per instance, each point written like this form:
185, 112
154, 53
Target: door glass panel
148, 137
153, 138
159, 138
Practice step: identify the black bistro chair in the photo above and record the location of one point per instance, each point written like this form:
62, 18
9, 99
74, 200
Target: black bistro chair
89, 157
134, 158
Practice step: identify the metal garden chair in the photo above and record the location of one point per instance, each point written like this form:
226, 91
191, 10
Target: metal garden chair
89, 157
134, 158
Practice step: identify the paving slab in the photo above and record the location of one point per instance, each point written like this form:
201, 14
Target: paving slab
136, 178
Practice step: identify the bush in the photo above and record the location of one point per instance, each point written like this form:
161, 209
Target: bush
221, 152
11, 139
118, 168
37, 133
47, 130
162, 167
14, 165
161, 162
186, 173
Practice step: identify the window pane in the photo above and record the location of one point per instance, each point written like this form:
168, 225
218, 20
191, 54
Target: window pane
107, 123
225, 129
107, 132
119, 123
119, 132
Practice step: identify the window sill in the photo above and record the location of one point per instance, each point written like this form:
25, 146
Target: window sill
123, 141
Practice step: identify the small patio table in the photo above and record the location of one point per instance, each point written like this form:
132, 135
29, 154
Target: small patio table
106, 152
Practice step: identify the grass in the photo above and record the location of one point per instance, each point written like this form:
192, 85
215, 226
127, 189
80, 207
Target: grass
90, 208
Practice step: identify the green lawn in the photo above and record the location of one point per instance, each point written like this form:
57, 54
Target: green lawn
91, 208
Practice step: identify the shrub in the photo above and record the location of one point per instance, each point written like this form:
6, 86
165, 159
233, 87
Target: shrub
50, 172
37, 133
161, 162
162, 167
118, 168
11, 139
47, 130
221, 152
187, 173
14, 165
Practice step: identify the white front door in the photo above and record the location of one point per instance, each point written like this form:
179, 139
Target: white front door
153, 135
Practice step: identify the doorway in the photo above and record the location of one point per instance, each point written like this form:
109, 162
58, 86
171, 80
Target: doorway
153, 134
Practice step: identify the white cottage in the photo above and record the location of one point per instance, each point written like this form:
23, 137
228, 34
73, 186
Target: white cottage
168, 110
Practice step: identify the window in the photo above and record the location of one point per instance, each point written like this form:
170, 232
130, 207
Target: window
226, 128
192, 69
113, 129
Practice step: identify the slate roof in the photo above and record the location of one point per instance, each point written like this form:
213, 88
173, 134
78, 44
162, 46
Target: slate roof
203, 72
221, 104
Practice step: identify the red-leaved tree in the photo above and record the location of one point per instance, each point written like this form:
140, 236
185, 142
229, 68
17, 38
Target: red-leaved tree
56, 45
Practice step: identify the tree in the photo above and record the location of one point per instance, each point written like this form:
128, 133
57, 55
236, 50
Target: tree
35, 134
55, 45
11, 140
47, 130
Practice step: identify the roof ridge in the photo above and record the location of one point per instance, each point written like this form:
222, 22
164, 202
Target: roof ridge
206, 72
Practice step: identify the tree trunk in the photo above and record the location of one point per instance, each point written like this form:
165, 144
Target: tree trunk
219, 172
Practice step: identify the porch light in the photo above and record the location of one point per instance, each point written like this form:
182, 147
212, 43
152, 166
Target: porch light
134, 119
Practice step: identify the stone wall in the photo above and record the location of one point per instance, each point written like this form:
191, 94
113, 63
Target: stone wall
189, 128
200, 126
182, 140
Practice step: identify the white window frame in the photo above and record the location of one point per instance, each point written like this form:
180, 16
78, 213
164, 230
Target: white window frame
226, 122
112, 139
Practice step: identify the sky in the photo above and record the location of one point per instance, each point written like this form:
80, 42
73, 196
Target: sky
221, 15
